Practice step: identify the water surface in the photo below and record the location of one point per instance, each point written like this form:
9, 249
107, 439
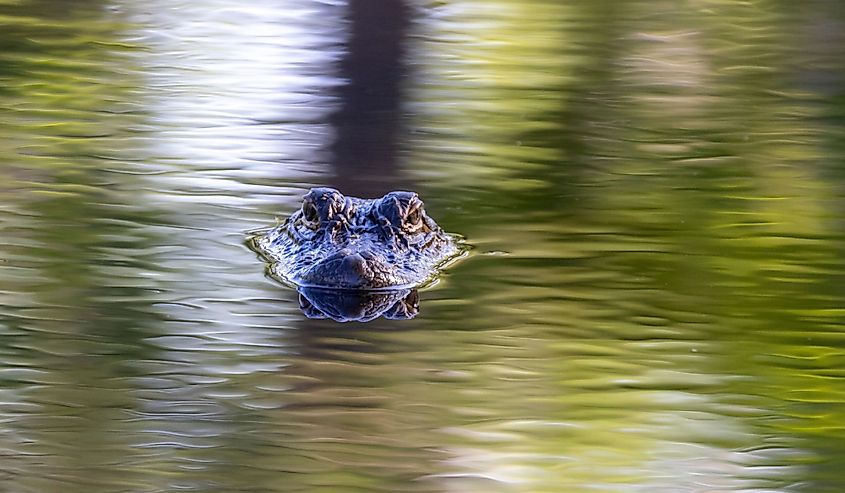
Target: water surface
654, 193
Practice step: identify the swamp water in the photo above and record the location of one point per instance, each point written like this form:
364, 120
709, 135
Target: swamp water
654, 193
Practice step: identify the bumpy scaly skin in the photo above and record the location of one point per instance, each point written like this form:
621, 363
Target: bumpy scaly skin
339, 242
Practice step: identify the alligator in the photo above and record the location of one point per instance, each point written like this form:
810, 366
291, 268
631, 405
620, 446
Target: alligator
335, 242
358, 306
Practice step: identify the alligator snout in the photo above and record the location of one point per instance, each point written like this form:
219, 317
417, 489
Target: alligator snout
348, 269
353, 271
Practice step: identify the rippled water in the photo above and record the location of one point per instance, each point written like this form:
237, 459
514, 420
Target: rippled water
654, 193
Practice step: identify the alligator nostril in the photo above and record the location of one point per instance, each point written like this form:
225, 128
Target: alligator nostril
354, 272
355, 263
355, 260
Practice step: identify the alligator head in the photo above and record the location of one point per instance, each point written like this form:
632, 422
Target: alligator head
347, 243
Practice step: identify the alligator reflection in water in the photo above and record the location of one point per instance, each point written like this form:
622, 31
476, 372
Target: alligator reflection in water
358, 306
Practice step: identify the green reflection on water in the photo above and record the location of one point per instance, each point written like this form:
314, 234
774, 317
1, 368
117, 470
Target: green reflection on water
654, 193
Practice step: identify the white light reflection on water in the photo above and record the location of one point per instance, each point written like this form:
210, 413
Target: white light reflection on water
682, 464
238, 91
237, 97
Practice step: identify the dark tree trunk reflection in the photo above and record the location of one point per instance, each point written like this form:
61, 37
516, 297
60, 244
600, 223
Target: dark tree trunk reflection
364, 156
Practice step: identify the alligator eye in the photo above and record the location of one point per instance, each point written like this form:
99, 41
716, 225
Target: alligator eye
413, 221
310, 214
